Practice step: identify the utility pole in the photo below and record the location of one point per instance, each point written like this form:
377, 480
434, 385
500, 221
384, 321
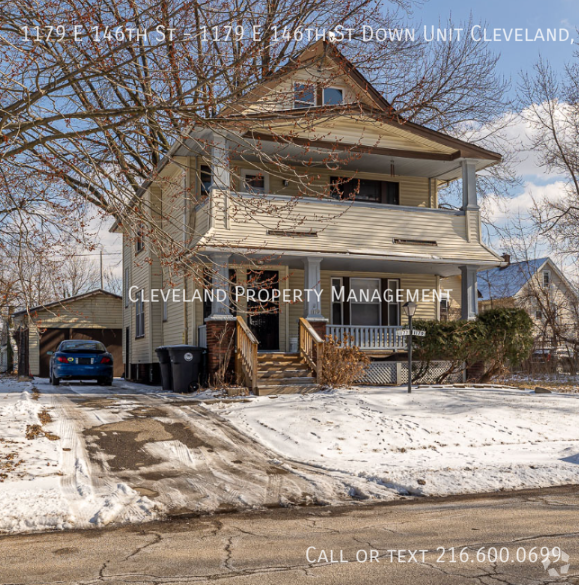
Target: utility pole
102, 274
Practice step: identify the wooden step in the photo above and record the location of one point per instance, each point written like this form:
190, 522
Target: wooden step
288, 380
284, 373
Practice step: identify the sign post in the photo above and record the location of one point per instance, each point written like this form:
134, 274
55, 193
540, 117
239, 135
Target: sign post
409, 310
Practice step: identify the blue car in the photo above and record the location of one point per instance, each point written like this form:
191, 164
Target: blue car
81, 360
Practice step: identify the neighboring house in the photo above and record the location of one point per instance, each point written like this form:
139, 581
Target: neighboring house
94, 315
539, 287
393, 236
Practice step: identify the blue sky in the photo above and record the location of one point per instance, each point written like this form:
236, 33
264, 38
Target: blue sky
531, 14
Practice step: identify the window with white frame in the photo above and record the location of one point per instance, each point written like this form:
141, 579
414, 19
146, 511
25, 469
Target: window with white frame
366, 309
139, 315
333, 96
127, 286
254, 181
304, 95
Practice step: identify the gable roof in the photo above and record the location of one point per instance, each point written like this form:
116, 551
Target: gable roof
98, 291
317, 51
503, 283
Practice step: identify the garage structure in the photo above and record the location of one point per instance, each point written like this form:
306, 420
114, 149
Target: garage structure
93, 315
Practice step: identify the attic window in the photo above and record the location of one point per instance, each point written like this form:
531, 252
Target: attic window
415, 242
333, 96
546, 278
304, 95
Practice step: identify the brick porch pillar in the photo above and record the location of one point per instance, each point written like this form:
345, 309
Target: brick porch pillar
220, 348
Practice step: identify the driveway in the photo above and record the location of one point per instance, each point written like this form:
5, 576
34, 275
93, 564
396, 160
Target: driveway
409, 543
132, 453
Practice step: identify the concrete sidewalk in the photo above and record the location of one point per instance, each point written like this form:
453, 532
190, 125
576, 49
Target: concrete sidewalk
291, 546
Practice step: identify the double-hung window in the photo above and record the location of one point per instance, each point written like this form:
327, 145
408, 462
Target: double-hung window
366, 305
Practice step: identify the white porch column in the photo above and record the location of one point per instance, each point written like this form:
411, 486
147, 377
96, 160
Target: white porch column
469, 293
220, 162
312, 290
220, 282
469, 200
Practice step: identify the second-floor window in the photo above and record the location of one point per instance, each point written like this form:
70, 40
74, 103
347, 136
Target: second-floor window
254, 181
139, 315
206, 179
127, 285
353, 189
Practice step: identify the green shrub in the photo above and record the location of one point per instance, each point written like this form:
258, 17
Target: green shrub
497, 338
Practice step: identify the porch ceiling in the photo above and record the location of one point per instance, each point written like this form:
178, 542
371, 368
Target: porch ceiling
409, 164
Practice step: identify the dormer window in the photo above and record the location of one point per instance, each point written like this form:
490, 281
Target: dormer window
333, 96
304, 95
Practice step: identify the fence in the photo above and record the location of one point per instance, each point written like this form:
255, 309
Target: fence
396, 373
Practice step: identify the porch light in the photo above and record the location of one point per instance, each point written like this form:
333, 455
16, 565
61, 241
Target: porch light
409, 310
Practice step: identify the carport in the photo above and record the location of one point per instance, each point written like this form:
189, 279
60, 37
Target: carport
94, 315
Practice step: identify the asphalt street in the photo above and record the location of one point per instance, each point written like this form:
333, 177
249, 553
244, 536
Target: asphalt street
498, 539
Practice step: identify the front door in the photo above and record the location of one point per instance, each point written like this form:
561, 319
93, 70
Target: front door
263, 315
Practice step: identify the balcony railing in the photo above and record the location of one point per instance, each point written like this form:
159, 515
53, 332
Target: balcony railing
369, 337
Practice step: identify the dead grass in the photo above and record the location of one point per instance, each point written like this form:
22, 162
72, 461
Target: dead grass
44, 417
8, 464
35, 431
35, 393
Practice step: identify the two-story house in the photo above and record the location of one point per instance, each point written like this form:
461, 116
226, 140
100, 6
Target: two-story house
308, 182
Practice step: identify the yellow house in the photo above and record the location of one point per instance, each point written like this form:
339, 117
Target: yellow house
308, 183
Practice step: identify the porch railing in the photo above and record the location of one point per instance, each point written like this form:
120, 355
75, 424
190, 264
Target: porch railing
202, 336
246, 355
369, 337
311, 347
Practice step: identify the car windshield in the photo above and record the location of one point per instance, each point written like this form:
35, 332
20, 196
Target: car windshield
83, 345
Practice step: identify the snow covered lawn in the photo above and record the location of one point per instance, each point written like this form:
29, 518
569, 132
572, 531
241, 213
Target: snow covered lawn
432, 442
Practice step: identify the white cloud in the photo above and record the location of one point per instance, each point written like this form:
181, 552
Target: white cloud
500, 210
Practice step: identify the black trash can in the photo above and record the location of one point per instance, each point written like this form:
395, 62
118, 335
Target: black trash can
185, 366
165, 363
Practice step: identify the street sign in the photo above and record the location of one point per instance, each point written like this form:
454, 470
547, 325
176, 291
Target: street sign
406, 332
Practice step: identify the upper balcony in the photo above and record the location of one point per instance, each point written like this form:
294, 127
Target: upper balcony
271, 224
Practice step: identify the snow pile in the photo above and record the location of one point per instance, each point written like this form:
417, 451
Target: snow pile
45, 482
434, 441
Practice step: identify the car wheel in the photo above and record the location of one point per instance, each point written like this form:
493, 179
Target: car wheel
54, 380
108, 382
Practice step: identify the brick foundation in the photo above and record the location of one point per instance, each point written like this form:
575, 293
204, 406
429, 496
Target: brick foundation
220, 344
